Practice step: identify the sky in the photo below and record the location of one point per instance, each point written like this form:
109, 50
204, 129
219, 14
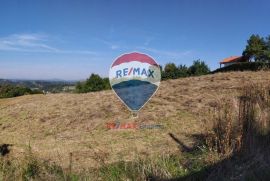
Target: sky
69, 40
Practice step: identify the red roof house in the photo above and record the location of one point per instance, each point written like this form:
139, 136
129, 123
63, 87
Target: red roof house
233, 60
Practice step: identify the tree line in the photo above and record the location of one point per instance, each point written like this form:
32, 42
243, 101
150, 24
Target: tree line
8, 91
171, 71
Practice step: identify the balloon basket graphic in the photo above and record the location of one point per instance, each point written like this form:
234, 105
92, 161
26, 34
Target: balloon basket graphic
134, 114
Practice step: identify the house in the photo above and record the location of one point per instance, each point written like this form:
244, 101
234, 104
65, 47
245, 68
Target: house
233, 60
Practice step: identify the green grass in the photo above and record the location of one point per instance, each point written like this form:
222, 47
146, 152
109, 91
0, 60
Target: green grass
165, 166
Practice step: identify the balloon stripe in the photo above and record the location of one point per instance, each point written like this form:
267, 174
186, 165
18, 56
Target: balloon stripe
134, 57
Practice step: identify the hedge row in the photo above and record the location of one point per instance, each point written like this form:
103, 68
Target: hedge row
245, 66
8, 91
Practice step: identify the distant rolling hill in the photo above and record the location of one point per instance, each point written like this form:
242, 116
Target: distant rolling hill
53, 85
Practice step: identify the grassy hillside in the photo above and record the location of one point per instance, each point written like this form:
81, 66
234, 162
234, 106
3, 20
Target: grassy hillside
71, 128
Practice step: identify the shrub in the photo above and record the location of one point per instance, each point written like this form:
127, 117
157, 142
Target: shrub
92, 84
170, 71
198, 68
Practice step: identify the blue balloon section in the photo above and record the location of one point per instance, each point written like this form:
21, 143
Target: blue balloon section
135, 93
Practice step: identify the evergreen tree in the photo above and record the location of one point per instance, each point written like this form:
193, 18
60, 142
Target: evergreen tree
256, 48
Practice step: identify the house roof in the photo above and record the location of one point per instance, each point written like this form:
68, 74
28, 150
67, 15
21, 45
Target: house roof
231, 59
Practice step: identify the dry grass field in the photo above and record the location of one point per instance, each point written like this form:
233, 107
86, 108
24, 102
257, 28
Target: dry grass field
58, 125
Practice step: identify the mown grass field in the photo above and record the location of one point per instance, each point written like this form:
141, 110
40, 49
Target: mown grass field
69, 130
